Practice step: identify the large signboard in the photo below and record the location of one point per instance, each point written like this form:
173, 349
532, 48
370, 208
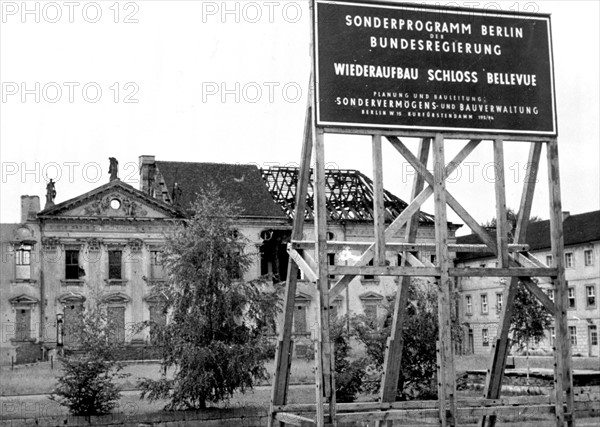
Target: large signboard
397, 66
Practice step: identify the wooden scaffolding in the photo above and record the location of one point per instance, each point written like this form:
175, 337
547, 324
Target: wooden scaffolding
514, 261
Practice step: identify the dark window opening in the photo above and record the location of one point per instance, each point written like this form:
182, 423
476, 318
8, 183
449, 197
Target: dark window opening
274, 257
369, 276
72, 271
114, 265
331, 261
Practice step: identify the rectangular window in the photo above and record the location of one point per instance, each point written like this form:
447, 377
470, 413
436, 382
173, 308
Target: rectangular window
469, 304
484, 304
399, 259
371, 311
116, 323
369, 276
156, 266
499, 299
588, 256
593, 330
550, 293
590, 293
333, 310
485, 337
72, 323
433, 259
158, 319
114, 265
72, 264
549, 260
23, 262
571, 297
569, 260
300, 319
331, 261
552, 335
23, 324
573, 334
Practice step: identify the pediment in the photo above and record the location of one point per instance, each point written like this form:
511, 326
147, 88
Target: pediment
302, 297
116, 298
115, 200
23, 300
70, 298
370, 296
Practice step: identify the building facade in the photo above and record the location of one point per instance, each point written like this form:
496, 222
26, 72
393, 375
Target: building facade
105, 246
481, 298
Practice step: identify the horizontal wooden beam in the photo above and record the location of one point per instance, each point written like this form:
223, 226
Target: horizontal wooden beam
435, 271
397, 414
411, 247
462, 402
503, 272
431, 134
383, 271
295, 420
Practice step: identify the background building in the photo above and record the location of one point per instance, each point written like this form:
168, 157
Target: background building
482, 298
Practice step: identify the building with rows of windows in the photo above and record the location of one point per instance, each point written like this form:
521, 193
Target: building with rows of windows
106, 244
481, 298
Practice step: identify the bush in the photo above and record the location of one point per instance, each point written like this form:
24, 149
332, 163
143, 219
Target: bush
87, 385
348, 374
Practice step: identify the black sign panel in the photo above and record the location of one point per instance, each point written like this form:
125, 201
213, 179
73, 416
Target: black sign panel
391, 66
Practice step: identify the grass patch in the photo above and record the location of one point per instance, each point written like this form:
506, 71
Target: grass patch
41, 379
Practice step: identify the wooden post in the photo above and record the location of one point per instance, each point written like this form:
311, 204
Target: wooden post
501, 219
378, 208
563, 376
393, 351
497, 361
283, 353
323, 361
448, 378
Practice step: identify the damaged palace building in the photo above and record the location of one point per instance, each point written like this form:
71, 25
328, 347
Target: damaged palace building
111, 237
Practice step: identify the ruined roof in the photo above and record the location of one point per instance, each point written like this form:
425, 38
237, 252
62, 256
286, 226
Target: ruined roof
349, 195
239, 184
577, 229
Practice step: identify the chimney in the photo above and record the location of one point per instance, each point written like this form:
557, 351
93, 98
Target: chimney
565, 215
147, 167
30, 206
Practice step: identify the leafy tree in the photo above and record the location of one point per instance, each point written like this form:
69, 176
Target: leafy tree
420, 334
215, 335
88, 383
511, 216
348, 373
529, 321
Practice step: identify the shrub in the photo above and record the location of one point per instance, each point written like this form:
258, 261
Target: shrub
348, 373
87, 385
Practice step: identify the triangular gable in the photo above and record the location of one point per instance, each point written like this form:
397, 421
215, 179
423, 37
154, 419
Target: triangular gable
23, 300
302, 297
113, 200
374, 296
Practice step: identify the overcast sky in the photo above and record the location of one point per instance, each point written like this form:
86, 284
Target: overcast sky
161, 69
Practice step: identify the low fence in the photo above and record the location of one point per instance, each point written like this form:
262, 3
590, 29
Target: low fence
239, 417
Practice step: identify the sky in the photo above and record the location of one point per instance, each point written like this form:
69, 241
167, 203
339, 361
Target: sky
227, 82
